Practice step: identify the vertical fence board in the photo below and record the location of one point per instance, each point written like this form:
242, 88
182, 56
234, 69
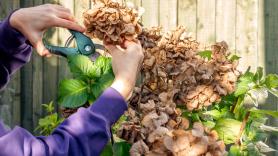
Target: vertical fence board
63, 70
135, 2
168, 14
37, 82
206, 21
27, 87
226, 22
246, 33
79, 8
271, 55
187, 15
50, 67
150, 17
10, 97
261, 34
16, 103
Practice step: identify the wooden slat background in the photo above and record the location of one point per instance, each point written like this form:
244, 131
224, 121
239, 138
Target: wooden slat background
250, 27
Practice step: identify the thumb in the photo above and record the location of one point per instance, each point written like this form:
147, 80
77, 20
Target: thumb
36, 40
41, 50
112, 49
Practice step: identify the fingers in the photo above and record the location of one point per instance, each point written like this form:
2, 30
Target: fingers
61, 8
41, 50
66, 15
68, 24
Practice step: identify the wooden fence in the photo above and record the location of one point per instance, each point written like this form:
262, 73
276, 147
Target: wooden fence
250, 27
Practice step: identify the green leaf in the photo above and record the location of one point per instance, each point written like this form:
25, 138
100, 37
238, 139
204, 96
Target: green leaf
103, 63
206, 54
215, 114
49, 107
47, 124
80, 65
267, 112
271, 81
259, 74
209, 124
72, 93
228, 129
273, 91
234, 151
121, 149
268, 128
118, 124
245, 83
239, 109
234, 58
102, 83
108, 150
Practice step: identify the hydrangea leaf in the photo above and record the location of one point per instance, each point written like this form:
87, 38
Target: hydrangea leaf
206, 54
72, 93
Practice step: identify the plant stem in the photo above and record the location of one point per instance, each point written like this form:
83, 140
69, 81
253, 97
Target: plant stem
242, 127
234, 105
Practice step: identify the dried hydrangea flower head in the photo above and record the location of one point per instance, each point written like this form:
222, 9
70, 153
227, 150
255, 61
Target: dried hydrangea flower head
113, 22
171, 59
175, 74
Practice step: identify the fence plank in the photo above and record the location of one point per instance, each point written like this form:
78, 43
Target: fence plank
271, 55
37, 82
206, 21
187, 15
246, 33
168, 17
63, 70
15, 83
261, 34
50, 69
226, 22
135, 2
10, 97
27, 88
150, 17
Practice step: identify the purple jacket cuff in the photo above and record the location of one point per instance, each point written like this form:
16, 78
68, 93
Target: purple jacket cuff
111, 105
11, 40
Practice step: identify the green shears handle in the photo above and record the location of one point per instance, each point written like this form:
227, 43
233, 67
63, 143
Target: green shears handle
85, 46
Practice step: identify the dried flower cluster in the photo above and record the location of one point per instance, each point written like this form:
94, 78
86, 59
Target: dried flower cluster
174, 74
172, 61
111, 21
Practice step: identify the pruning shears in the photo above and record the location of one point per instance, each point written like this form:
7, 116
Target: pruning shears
85, 46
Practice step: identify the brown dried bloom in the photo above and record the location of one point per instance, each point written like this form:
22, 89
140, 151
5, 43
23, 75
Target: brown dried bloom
174, 74
111, 21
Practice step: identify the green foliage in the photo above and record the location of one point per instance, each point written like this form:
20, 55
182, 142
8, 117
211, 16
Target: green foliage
232, 112
73, 93
206, 54
271, 81
120, 148
228, 129
234, 57
50, 122
235, 151
90, 80
266, 112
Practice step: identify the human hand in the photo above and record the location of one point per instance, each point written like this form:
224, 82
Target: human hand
33, 22
126, 64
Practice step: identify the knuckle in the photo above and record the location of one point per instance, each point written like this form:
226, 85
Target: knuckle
68, 10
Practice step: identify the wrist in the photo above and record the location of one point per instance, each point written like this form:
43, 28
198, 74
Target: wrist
125, 88
15, 20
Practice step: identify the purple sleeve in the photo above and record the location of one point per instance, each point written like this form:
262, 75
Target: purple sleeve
85, 133
14, 51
